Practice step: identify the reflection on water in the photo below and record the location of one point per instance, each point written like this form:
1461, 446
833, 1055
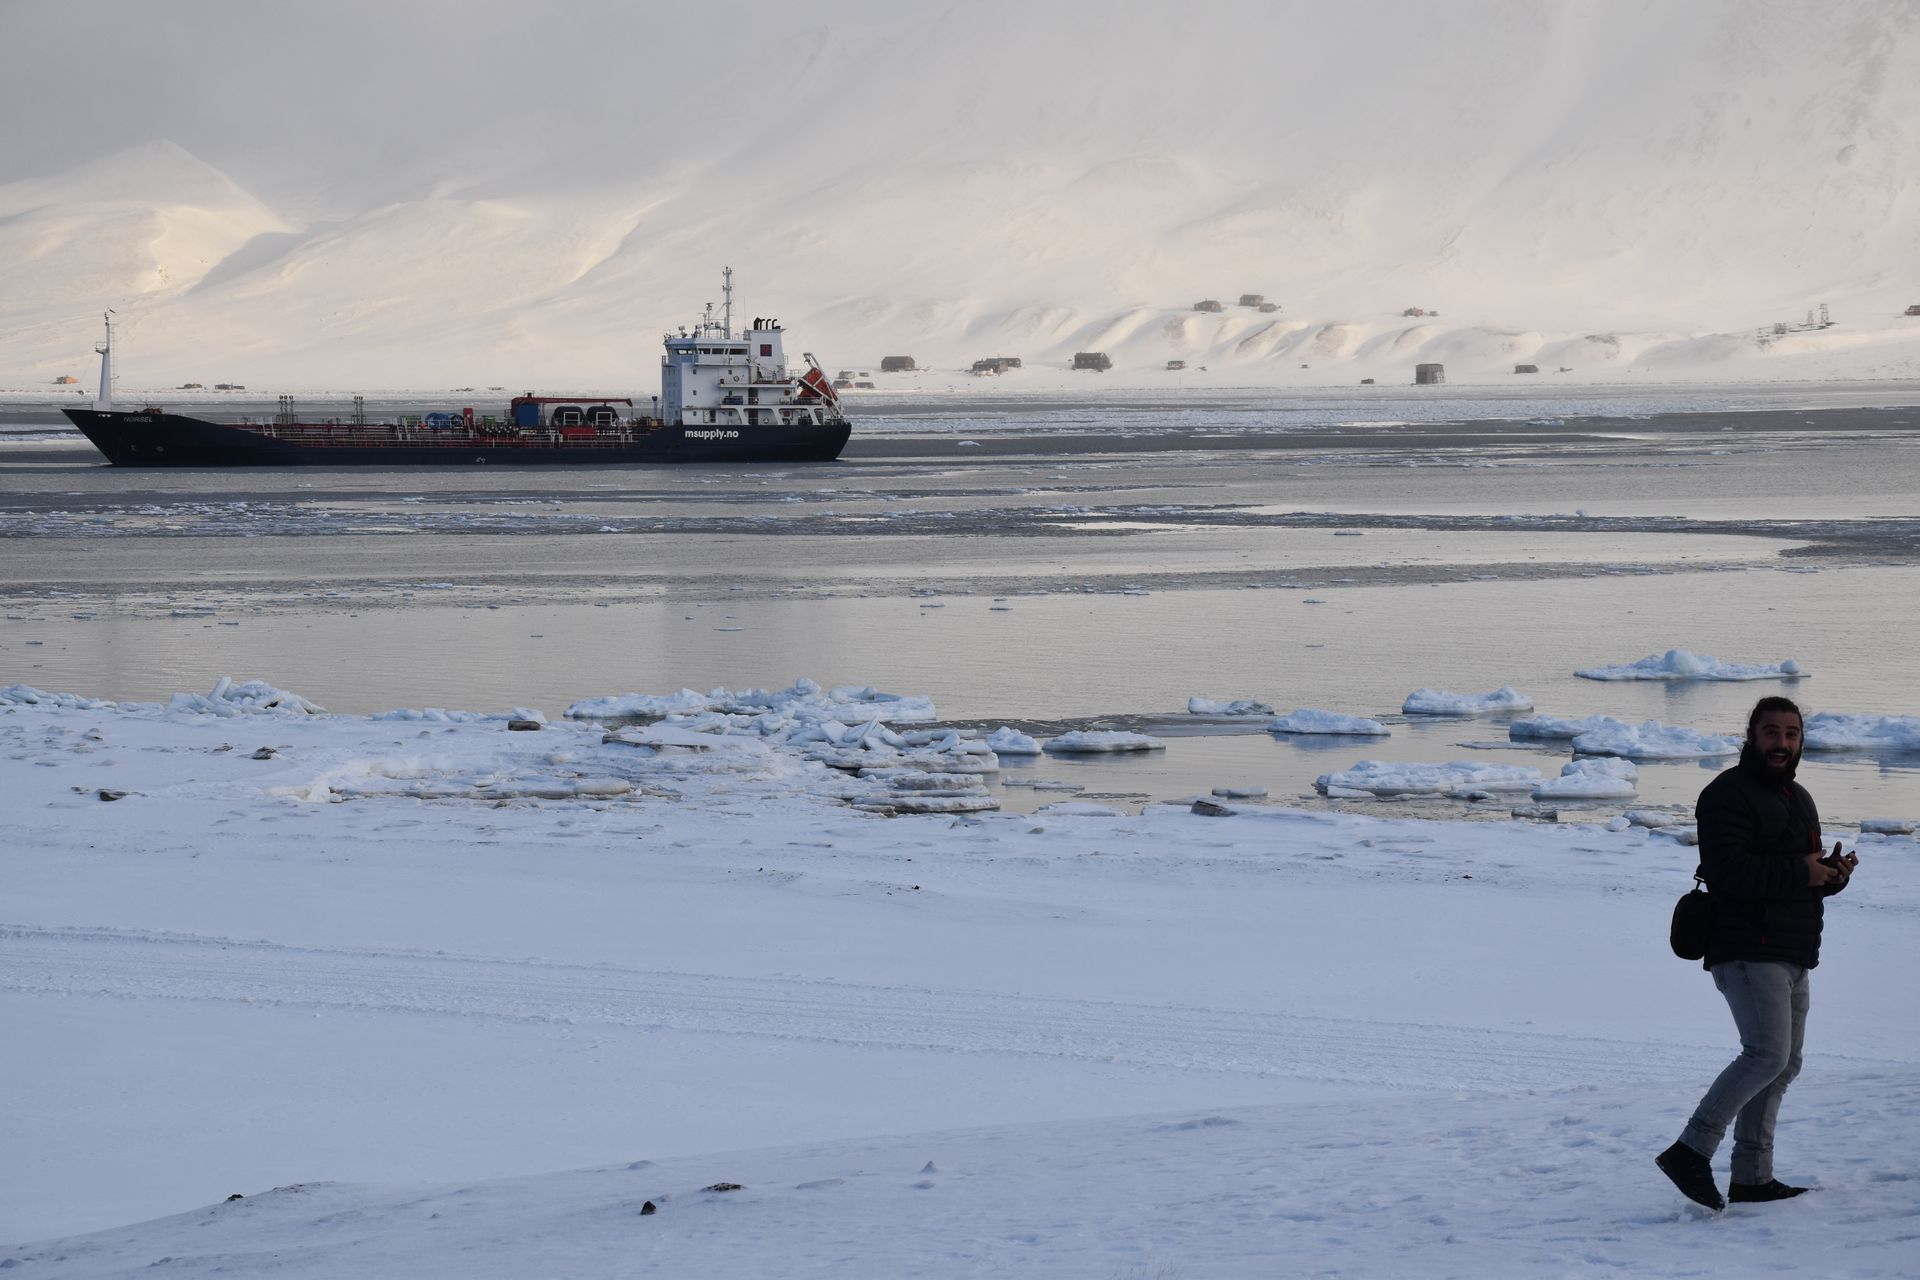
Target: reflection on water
1073, 657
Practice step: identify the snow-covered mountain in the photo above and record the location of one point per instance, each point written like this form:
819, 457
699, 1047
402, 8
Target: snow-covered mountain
389, 199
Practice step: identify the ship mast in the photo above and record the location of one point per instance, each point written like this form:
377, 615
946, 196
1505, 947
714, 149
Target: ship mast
103, 402
726, 290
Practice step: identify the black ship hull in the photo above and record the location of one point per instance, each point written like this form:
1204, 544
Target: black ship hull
159, 439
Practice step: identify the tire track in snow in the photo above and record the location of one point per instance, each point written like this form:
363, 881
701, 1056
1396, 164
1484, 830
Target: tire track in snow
138, 965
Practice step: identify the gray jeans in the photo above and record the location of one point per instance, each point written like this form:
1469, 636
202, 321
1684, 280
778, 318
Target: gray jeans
1769, 999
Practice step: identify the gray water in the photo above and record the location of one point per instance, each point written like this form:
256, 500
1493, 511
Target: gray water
1042, 588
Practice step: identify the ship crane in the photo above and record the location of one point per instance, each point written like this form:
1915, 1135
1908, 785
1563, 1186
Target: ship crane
103, 402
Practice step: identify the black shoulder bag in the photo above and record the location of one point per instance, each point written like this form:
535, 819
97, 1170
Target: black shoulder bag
1692, 927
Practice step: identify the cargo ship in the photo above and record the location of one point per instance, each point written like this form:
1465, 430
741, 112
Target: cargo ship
724, 397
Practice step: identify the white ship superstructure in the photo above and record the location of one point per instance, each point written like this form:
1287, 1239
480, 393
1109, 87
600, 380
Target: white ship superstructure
711, 379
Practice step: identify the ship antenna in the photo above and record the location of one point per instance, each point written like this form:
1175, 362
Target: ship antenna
103, 403
726, 290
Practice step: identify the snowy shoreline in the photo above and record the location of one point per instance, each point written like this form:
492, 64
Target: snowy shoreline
721, 955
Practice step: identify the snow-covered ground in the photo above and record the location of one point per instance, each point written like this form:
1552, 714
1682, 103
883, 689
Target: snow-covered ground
389, 979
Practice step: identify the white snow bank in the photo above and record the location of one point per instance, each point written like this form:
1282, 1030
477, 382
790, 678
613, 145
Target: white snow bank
27, 696
1099, 741
1682, 664
1651, 740
250, 697
1083, 1197
1440, 702
1554, 728
1832, 731
1398, 778
1011, 742
1230, 707
1597, 778
1313, 720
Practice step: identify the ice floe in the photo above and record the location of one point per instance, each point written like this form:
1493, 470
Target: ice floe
1654, 819
1079, 809
1889, 826
1011, 742
1559, 728
1313, 720
1652, 740
1683, 664
1440, 702
1459, 778
1832, 731
1101, 741
1230, 707
1591, 778
805, 701
438, 715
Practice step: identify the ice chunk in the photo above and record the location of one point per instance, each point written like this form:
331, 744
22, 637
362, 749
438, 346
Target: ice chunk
1097, 741
1651, 740
633, 705
1078, 809
1682, 664
27, 695
1594, 778
436, 715
804, 702
1890, 826
1440, 702
1832, 731
1655, 819
1233, 707
1011, 742
1398, 778
1312, 720
249, 697
1553, 728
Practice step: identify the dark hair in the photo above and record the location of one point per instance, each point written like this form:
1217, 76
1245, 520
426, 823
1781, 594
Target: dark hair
1772, 702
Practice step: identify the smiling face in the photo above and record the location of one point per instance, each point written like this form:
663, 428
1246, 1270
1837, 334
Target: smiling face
1776, 736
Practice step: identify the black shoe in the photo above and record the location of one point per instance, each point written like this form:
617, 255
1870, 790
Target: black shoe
1757, 1192
1692, 1173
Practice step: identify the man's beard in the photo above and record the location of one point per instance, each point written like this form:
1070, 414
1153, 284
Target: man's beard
1755, 759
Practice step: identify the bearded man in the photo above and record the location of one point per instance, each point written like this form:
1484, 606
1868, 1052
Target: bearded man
1760, 853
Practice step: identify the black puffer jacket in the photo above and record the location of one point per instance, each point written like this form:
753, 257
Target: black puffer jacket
1755, 834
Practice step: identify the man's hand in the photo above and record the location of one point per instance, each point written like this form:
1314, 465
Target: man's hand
1834, 868
1820, 872
1844, 863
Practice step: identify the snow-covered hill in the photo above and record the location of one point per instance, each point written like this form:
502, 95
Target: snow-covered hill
531, 198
